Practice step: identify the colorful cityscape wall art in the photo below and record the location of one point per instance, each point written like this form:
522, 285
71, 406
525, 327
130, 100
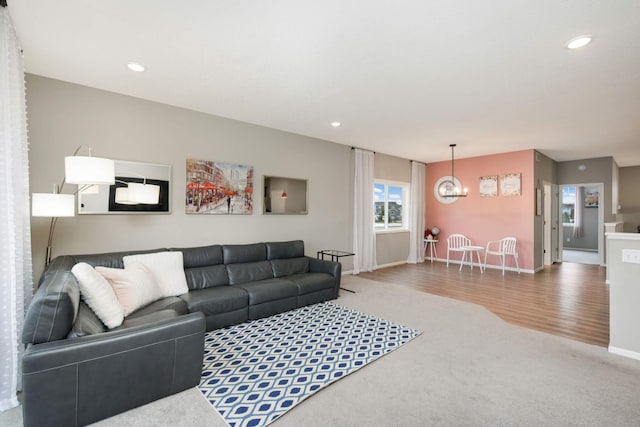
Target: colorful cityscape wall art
218, 188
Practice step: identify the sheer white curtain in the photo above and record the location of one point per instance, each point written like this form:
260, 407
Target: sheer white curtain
364, 237
416, 213
15, 238
577, 213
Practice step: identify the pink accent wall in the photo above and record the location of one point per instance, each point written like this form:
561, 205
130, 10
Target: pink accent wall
486, 218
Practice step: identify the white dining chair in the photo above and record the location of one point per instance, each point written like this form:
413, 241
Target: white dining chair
455, 243
502, 248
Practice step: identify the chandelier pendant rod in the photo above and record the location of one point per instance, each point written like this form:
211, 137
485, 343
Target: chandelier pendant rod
457, 191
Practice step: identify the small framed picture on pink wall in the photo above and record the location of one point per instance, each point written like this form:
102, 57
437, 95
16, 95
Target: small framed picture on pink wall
510, 184
489, 186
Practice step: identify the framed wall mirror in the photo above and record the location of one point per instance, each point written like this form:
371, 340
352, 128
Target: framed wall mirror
103, 199
284, 196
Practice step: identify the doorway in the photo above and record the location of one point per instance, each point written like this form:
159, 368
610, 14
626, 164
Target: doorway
581, 223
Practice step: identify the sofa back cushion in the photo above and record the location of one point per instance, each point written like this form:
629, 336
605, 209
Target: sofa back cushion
53, 308
289, 266
111, 259
201, 256
249, 272
283, 250
206, 277
234, 254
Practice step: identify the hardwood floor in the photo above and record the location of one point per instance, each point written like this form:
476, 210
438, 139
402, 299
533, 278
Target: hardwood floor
570, 300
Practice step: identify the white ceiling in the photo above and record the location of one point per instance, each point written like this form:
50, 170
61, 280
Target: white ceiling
405, 78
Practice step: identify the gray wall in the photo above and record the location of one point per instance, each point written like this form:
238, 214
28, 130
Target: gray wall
544, 170
589, 239
593, 171
630, 198
392, 247
63, 116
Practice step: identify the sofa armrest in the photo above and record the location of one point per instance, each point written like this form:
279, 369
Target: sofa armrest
82, 380
329, 267
323, 266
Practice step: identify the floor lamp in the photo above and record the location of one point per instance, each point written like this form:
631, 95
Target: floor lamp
84, 171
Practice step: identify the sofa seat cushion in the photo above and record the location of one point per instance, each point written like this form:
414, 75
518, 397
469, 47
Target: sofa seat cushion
269, 290
312, 282
219, 299
148, 318
169, 303
87, 323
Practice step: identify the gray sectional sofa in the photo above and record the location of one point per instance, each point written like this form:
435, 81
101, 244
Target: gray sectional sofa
76, 371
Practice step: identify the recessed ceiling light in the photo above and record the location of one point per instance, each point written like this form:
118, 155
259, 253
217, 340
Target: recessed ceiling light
578, 42
134, 66
336, 124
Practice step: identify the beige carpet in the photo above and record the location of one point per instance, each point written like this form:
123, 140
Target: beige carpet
468, 368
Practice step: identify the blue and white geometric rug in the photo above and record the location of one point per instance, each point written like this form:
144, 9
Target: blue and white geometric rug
256, 371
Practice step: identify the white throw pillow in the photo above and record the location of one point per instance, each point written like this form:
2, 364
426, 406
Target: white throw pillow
134, 286
167, 269
99, 295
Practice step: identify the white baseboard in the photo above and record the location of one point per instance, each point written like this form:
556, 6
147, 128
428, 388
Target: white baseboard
451, 261
391, 264
626, 353
350, 272
475, 264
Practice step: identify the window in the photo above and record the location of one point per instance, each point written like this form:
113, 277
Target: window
568, 205
391, 205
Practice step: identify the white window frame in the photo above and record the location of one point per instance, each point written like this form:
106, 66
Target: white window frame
406, 191
566, 224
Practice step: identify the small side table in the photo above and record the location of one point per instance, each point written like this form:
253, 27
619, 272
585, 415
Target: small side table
335, 257
431, 245
470, 250
334, 254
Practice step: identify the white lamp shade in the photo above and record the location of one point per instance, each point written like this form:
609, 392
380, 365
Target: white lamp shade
147, 194
52, 205
122, 196
89, 170
89, 189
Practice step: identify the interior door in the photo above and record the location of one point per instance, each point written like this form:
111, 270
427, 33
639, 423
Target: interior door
551, 252
555, 224
548, 244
